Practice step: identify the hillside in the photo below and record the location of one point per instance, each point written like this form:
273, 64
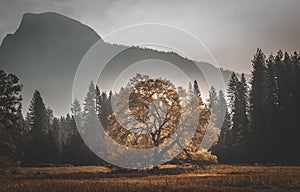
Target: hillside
47, 48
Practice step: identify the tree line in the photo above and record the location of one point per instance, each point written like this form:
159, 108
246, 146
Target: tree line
257, 120
260, 124
41, 138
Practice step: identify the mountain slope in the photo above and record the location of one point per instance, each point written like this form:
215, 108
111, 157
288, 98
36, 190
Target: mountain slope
44, 53
47, 48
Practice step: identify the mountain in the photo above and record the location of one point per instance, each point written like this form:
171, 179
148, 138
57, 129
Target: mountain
47, 48
44, 53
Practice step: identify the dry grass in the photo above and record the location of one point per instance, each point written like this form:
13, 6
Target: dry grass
168, 178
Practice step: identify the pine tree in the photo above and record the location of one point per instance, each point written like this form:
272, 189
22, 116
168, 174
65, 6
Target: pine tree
295, 109
55, 140
89, 101
223, 147
231, 90
256, 101
190, 90
221, 108
70, 153
243, 100
106, 109
39, 130
196, 89
98, 102
76, 108
213, 100
89, 110
237, 92
10, 117
90, 129
267, 147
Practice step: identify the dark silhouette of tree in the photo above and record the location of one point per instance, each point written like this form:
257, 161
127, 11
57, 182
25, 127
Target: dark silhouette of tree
90, 124
223, 147
273, 105
11, 120
256, 102
221, 109
74, 142
103, 107
295, 106
99, 102
40, 145
196, 89
237, 93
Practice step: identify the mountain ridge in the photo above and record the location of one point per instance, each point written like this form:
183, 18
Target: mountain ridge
46, 50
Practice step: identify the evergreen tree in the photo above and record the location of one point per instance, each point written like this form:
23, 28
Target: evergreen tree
76, 108
244, 109
10, 117
196, 89
39, 130
231, 90
98, 102
54, 136
221, 108
106, 109
90, 128
213, 100
295, 108
257, 88
74, 142
223, 147
190, 90
237, 92
89, 101
89, 110
266, 148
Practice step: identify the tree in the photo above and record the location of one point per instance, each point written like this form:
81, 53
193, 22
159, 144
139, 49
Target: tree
90, 125
190, 90
73, 144
231, 90
99, 102
266, 136
154, 114
237, 92
196, 89
41, 151
213, 102
295, 96
221, 109
89, 101
244, 109
257, 100
223, 147
10, 117
76, 108
89, 110
103, 107
55, 139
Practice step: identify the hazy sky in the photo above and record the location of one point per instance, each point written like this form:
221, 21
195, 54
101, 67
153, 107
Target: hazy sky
232, 30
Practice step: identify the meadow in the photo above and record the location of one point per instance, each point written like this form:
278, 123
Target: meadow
167, 178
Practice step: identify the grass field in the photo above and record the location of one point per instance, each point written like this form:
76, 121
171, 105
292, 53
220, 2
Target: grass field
167, 178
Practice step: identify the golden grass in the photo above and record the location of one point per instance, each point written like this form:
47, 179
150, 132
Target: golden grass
168, 178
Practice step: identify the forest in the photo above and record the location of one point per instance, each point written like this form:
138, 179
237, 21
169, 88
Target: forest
259, 126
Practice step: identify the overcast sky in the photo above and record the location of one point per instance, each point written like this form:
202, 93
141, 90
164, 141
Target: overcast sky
232, 31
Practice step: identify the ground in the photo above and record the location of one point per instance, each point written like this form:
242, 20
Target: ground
167, 178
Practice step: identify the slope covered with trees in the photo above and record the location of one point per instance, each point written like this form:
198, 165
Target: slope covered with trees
257, 124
